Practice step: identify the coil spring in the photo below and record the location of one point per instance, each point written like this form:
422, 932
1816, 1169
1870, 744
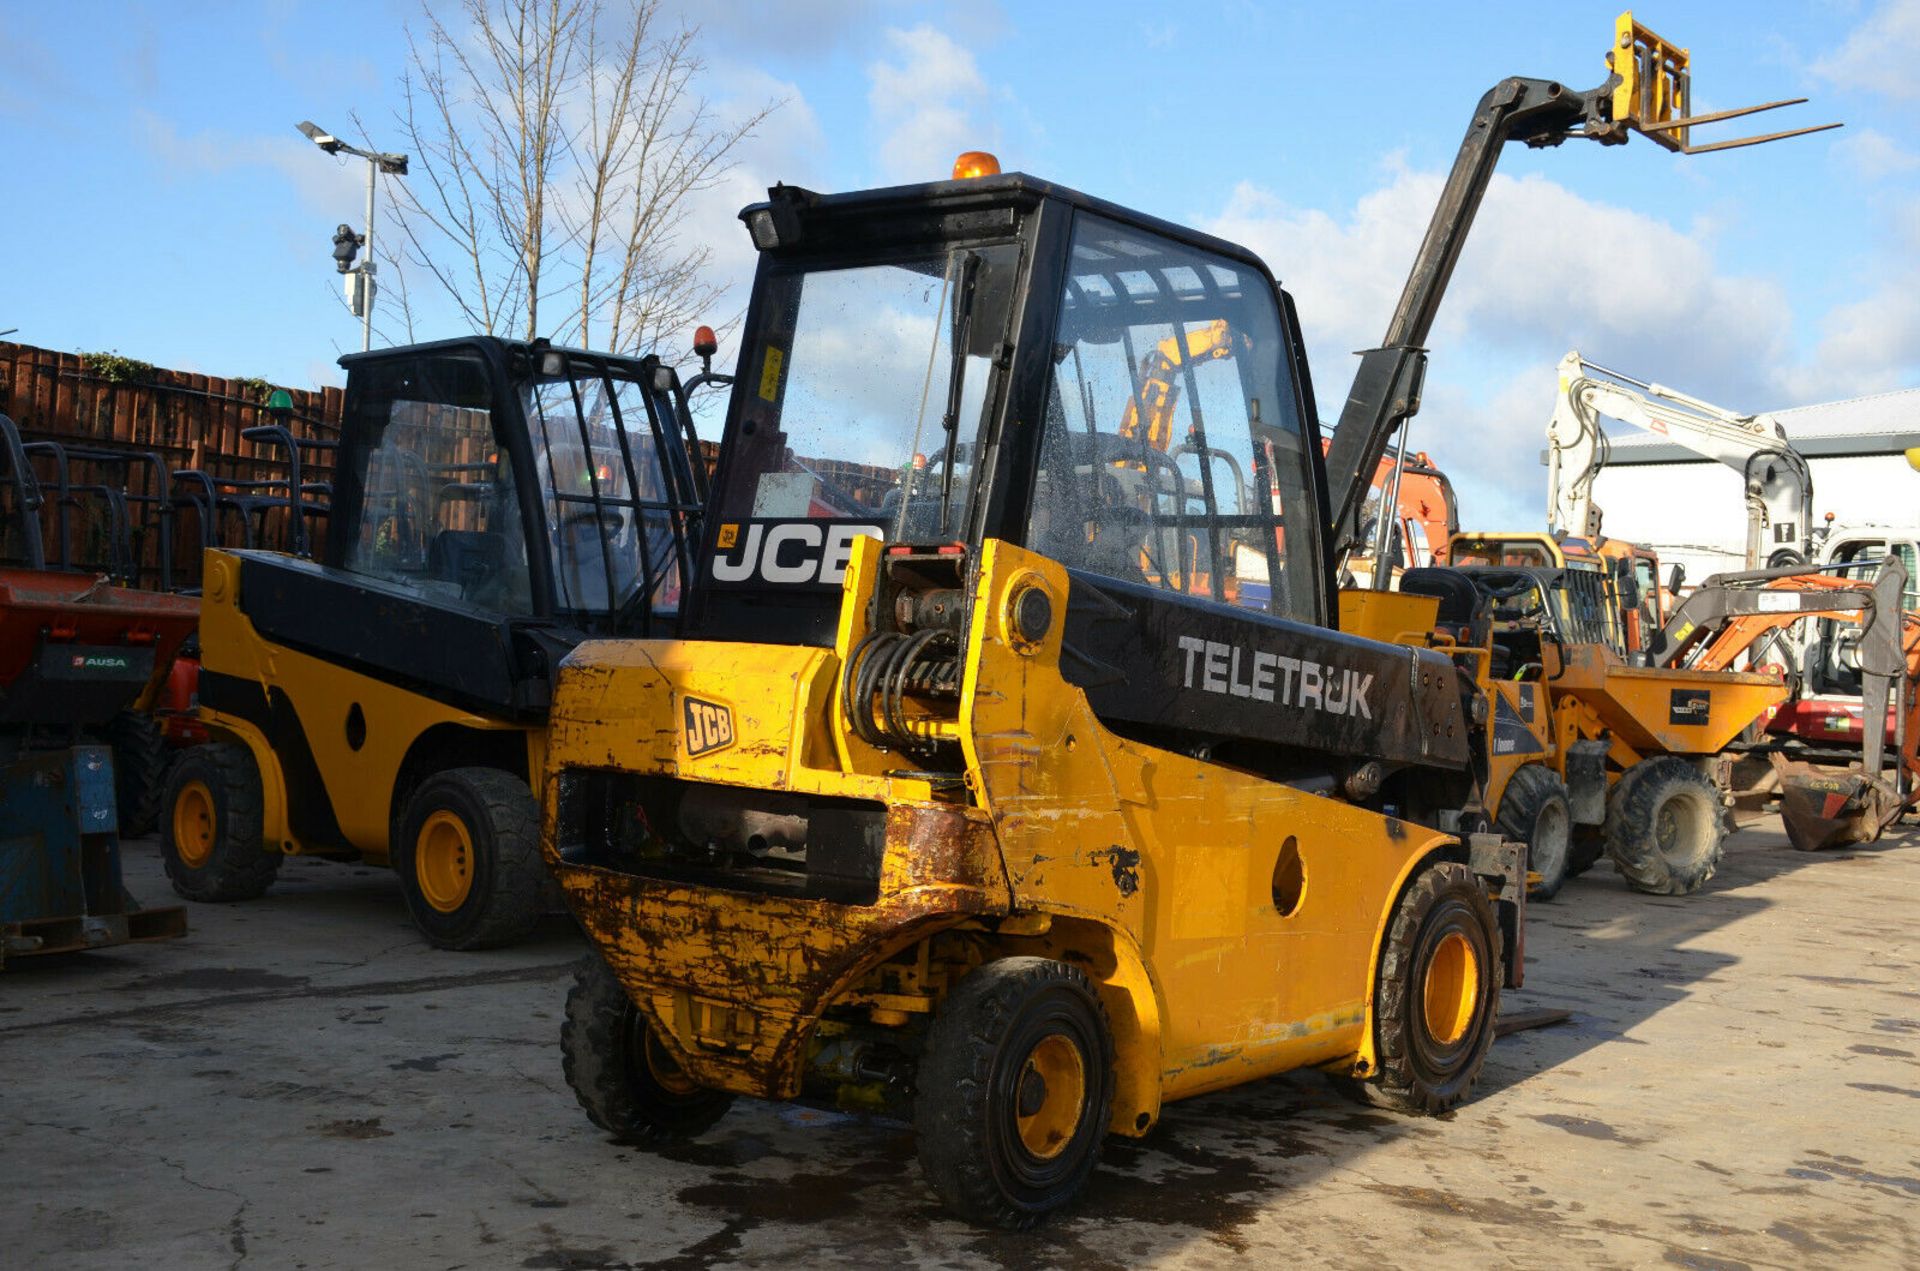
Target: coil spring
888, 664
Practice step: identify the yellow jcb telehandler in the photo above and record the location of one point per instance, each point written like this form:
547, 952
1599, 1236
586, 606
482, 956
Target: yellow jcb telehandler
983, 786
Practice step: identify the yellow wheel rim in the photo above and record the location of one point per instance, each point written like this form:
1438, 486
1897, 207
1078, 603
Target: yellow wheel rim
663, 1069
1051, 1094
193, 824
1452, 989
443, 861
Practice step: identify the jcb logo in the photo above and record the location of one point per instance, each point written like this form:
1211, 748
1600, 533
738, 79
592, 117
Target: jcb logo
709, 726
787, 552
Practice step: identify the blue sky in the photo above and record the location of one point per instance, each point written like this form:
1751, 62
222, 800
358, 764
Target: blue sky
162, 204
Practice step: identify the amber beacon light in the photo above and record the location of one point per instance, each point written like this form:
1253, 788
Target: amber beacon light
975, 163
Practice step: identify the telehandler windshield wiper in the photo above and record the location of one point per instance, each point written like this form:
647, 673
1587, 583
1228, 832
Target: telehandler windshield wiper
956, 376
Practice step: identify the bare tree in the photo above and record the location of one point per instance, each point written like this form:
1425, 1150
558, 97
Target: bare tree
558, 145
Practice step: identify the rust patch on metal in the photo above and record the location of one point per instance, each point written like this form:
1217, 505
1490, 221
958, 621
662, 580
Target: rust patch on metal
734, 981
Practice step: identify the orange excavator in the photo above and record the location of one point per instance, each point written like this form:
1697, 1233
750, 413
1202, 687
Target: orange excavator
1822, 803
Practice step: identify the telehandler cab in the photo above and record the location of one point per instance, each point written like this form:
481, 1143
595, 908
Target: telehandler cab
494, 503
1016, 778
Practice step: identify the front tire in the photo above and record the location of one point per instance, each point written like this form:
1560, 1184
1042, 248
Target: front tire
1665, 831
1534, 810
210, 835
621, 1074
1437, 995
468, 856
1013, 1092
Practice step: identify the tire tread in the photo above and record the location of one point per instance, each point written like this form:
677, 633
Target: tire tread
518, 884
1630, 828
242, 866
956, 1070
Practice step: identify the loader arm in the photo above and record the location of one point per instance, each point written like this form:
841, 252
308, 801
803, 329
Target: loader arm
1779, 485
1648, 89
1386, 386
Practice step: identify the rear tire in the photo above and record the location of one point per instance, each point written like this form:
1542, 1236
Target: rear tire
139, 770
619, 1071
1013, 1092
1436, 997
210, 837
1534, 810
1665, 831
468, 856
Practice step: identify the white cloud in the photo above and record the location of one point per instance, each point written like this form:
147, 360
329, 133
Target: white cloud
1874, 155
1880, 54
923, 100
1869, 345
788, 146
1544, 270
1547, 270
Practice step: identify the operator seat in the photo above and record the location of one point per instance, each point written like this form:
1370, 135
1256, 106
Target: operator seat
1463, 612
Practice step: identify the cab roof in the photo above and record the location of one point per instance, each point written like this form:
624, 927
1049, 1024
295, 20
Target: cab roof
823, 214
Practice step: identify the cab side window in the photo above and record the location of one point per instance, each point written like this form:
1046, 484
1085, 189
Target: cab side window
1173, 450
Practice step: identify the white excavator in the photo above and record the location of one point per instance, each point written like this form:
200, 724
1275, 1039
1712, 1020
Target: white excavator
1779, 486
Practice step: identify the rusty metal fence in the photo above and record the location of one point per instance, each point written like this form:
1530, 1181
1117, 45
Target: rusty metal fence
140, 467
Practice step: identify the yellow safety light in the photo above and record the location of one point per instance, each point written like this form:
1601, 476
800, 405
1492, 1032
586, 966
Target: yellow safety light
975, 163
1913, 458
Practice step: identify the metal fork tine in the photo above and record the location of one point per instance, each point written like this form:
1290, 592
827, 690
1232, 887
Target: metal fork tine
1717, 115
1737, 142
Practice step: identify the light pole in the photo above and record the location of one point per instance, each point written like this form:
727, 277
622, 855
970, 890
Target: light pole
362, 289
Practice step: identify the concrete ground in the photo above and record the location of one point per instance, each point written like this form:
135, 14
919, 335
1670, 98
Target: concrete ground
303, 1083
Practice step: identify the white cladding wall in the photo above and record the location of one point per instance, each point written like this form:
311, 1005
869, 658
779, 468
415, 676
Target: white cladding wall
1696, 513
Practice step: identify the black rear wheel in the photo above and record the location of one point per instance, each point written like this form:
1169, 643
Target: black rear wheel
1534, 810
1013, 1091
1436, 995
619, 1070
468, 856
140, 762
210, 836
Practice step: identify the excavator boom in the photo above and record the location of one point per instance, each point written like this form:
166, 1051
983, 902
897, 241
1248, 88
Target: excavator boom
1779, 485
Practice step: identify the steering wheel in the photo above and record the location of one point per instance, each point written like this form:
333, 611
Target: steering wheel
1500, 595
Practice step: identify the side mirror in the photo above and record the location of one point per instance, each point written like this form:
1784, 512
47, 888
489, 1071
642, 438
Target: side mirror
1676, 576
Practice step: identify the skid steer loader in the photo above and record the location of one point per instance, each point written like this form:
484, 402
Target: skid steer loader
494, 503
1013, 775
